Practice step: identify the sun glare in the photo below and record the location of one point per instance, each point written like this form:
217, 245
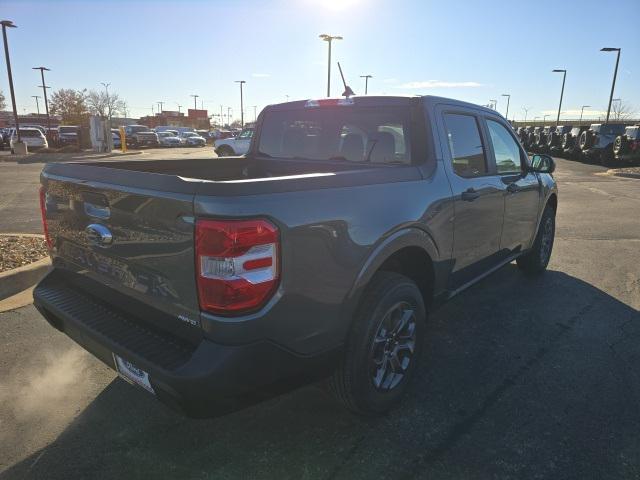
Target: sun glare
335, 5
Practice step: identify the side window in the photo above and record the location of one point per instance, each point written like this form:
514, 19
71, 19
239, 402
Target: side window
465, 144
506, 149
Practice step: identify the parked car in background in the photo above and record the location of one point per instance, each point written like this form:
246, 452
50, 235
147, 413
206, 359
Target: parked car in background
554, 139
5, 137
115, 136
232, 146
596, 143
140, 136
32, 137
192, 139
220, 134
206, 134
536, 139
570, 146
626, 147
68, 135
168, 139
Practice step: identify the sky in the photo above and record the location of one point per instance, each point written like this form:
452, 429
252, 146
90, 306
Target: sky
152, 51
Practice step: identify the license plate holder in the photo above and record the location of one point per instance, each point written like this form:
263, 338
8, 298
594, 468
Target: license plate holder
132, 374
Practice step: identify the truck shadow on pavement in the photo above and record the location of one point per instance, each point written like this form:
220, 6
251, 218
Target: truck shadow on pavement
521, 378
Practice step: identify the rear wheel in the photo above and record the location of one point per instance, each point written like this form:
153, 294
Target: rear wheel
225, 151
383, 347
536, 260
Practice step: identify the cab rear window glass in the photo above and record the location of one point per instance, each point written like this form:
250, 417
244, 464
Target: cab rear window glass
342, 133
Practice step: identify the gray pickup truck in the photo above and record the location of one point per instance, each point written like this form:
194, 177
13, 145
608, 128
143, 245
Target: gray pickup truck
318, 255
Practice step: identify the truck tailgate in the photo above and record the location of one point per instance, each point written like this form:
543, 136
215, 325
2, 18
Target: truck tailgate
137, 241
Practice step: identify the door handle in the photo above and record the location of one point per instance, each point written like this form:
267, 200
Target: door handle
469, 195
513, 188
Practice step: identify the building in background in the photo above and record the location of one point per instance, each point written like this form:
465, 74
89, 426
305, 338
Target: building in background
196, 119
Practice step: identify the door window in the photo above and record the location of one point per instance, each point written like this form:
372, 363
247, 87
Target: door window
505, 148
465, 144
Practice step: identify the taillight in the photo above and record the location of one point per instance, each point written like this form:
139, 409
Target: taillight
236, 264
43, 212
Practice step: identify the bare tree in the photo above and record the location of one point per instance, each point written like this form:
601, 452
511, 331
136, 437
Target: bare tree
621, 110
105, 105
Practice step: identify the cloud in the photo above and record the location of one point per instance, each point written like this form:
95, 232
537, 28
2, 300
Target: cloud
260, 75
439, 84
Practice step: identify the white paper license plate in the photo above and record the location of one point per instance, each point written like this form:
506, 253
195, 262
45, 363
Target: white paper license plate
132, 374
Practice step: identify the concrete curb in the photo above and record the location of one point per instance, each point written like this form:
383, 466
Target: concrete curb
624, 175
21, 278
61, 157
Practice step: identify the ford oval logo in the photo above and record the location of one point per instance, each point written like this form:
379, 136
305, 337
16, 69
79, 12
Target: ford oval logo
98, 235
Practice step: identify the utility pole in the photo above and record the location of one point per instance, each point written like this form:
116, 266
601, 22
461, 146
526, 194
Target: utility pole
329, 39
564, 77
44, 89
615, 74
241, 82
366, 82
160, 104
195, 100
37, 104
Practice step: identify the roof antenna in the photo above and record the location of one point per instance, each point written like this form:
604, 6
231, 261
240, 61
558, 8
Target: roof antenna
347, 89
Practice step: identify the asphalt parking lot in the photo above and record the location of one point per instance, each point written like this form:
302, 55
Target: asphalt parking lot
521, 378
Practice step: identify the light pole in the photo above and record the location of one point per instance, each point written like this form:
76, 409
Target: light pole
241, 82
366, 82
195, 99
615, 74
526, 111
229, 116
160, 104
106, 90
564, 77
544, 118
9, 24
508, 95
37, 104
329, 38
44, 89
582, 111
617, 113
179, 107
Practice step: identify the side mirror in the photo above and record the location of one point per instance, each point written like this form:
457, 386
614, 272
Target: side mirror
542, 164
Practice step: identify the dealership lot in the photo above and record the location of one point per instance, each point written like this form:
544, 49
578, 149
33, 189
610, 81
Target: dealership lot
521, 378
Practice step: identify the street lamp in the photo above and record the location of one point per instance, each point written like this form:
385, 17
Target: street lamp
179, 107
366, 82
37, 104
241, 82
535, 119
195, 100
329, 38
544, 119
9, 24
615, 74
44, 89
506, 115
564, 77
106, 90
582, 111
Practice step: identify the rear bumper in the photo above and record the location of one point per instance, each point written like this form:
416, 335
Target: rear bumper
202, 379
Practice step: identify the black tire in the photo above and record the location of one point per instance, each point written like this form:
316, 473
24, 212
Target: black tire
607, 158
586, 140
225, 151
535, 261
620, 144
377, 364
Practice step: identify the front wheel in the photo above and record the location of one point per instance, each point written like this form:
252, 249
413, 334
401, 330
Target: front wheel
383, 347
536, 260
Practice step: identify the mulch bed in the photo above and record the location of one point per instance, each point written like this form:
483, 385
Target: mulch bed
18, 251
